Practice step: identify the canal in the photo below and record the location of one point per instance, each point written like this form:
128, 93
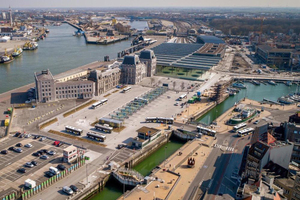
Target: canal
257, 93
113, 190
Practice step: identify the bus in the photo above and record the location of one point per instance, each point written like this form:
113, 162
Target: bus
96, 136
162, 120
73, 130
182, 97
142, 100
206, 131
104, 128
244, 132
99, 103
239, 126
126, 89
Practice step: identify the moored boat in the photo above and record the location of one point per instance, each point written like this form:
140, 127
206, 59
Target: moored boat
285, 100
272, 82
289, 83
18, 51
239, 85
256, 82
244, 115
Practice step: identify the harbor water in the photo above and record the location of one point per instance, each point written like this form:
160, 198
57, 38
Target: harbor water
59, 52
112, 190
257, 93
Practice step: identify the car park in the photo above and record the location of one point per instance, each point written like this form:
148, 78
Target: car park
22, 170
19, 145
4, 152
67, 190
44, 157
28, 145
74, 188
61, 167
29, 164
18, 150
34, 163
51, 152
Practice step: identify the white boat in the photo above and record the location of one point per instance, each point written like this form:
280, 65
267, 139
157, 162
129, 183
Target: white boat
5, 59
272, 82
239, 85
17, 52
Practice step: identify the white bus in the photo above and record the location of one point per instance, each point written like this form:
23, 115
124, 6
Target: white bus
95, 136
106, 129
126, 89
239, 126
162, 120
246, 131
142, 100
206, 131
99, 103
182, 97
73, 130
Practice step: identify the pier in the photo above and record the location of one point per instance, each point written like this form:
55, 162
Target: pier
73, 25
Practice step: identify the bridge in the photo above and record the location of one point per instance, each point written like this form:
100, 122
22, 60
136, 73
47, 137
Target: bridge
73, 25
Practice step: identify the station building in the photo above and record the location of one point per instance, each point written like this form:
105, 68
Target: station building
132, 70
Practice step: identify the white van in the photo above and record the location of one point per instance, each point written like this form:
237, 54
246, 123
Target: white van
67, 190
53, 170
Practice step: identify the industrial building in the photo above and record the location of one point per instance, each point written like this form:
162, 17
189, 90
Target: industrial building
281, 58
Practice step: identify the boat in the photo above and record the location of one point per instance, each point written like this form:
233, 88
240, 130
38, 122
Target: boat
231, 93
244, 115
239, 85
289, 83
272, 82
6, 58
47, 31
18, 51
256, 82
285, 100
30, 46
295, 97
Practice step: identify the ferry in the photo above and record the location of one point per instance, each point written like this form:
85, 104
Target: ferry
272, 82
239, 85
17, 52
244, 115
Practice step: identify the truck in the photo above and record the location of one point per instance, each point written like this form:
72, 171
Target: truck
30, 183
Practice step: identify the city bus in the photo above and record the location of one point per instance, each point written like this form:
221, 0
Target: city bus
99, 103
106, 129
126, 89
142, 100
95, 136
182, 97
73, 130
239, 126
162, 120
244, 132
206, 131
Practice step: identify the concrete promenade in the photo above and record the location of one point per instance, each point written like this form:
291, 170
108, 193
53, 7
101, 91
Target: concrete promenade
174, 176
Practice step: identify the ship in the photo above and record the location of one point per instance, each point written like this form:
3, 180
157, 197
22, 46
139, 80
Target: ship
285, 100
30, 46
244, 115
18, 51
239, 85
272, 82
6, 58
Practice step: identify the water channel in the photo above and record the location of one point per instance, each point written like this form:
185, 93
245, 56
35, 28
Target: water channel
113, 190
257, 93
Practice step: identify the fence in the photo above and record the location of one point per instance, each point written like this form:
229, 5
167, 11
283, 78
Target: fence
33, 191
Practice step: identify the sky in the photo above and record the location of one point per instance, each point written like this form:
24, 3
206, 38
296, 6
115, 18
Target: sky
147, 3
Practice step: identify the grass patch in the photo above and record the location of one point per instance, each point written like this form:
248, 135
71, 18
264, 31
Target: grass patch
107, 95
115, 91
52, 121
118, 130
166, 72
79, 108
180, 73
94, 123
76, 138
195, 75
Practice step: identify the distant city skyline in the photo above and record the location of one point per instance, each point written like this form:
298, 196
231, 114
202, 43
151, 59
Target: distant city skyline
153, 3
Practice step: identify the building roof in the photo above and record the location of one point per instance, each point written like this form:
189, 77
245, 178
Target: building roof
111, 120
44, 75
69, 148
147, 54
268, 48
131, 60
211, 49
147, 130
258, 150
209, 39
275, 170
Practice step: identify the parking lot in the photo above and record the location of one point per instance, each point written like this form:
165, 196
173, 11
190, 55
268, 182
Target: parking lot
10, 178
163, 106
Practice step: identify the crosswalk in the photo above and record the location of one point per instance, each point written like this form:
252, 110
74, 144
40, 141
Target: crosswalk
223, 147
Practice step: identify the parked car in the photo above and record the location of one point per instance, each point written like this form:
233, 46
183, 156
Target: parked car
120, 146
11, 148
42, 138
67, 190
18, 150
36, 137
4, 152
44, 157
29, 164
49, 174
28, 135
19, 145
56, 143
51, 152
17, 134
61, 167
256, 122
37, 154
22, 170
41, 152
22, 135
176, 104
34, 163
74, 188
60, 144
28, 145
